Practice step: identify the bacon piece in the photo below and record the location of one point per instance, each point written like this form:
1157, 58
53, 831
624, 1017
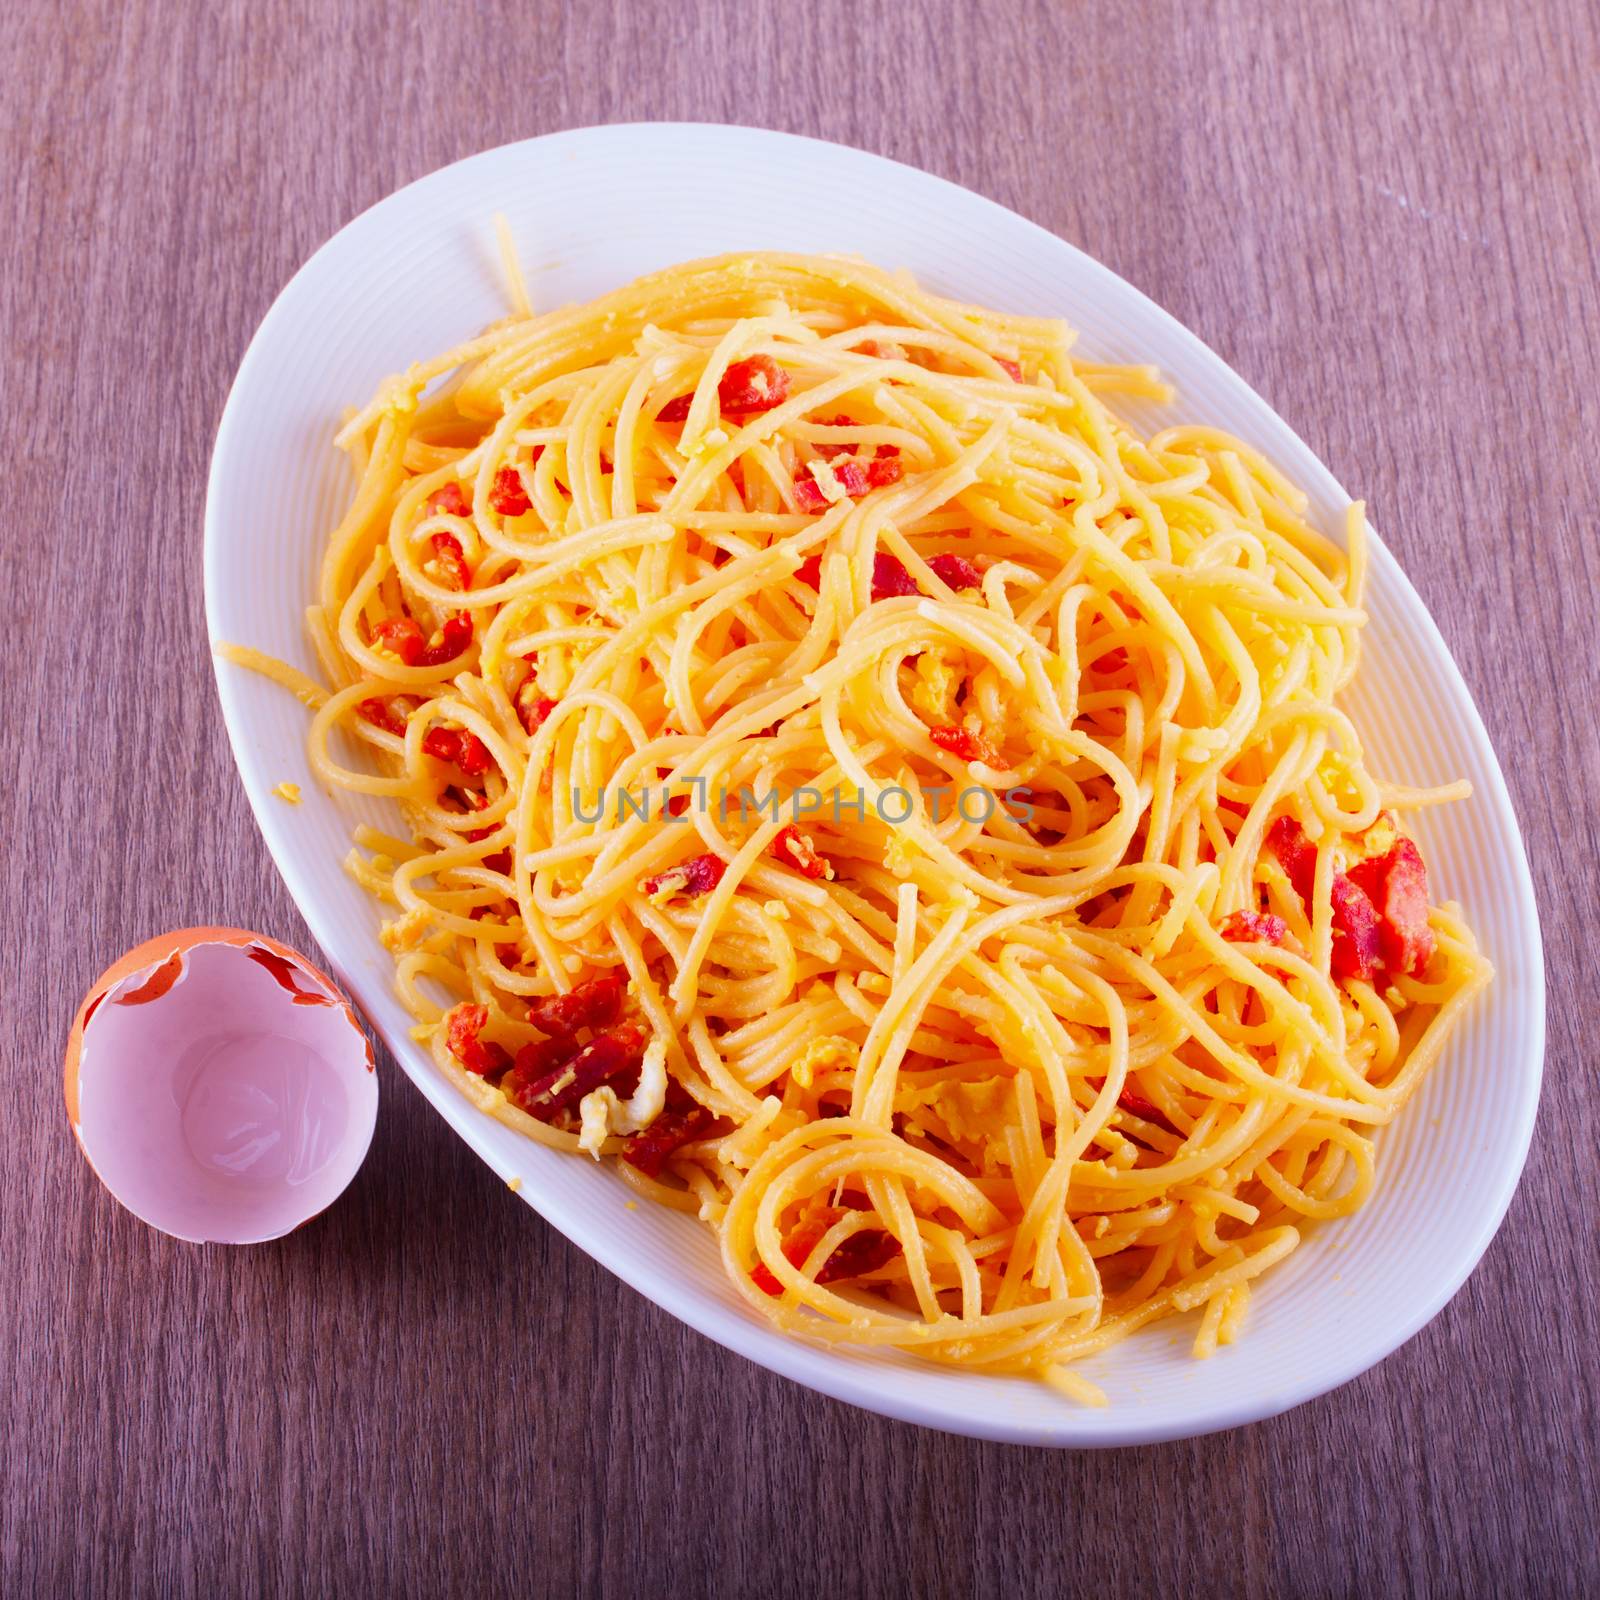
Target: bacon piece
401, 636
1356, 946
1012, 370
479, 1057
544, 1094
450, 501
508, 496
382, 715
757, 384
1114, 660
467, 750
852, 475
890, 578
594, 1004
649, 1149
1244, 927
1296, 854
1135, 1104
862, 1252
967, 745
692, 878
955, 571
1397, 885
454, 636
452, 560
1356, 949
795, 848
533, 708
807, 496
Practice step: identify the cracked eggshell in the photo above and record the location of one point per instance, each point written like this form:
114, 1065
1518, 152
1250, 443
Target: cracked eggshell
220, 1085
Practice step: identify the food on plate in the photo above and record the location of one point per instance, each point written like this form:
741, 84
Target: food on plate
892, 805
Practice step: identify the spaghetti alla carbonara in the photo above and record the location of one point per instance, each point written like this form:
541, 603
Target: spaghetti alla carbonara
898, 811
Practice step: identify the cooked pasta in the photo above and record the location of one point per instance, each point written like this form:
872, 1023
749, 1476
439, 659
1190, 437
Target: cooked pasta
901, 812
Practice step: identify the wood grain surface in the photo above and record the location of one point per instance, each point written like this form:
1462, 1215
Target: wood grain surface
1383, 214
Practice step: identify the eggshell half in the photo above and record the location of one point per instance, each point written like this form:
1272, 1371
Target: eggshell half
220, 1085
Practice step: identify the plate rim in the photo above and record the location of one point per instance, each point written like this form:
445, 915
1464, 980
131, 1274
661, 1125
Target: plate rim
783, 1354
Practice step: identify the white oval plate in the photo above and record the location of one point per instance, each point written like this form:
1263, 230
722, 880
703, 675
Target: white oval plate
593, 208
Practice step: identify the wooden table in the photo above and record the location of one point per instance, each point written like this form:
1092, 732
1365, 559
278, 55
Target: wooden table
1383, 214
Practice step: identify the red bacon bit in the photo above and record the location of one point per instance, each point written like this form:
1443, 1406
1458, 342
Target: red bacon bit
955, 571
1010, 368
452, 560
1135, 1104
1397, 885
693, 878
594, 1004
1296, 854
401, 636
758, 384
545, 1094
1244, 927
649, 1149
967, 745
795, 848
807, 496
862, 1252
890, 579
508, 496
382, 715
1356, 948
533, 708
477, 1056
854, 476
1114, 660
450, 501
454, 637
467, 750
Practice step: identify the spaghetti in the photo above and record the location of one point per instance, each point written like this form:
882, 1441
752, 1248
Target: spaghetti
1058, 955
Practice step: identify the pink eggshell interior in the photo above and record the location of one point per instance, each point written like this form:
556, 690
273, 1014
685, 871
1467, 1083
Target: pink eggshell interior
230, 1108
